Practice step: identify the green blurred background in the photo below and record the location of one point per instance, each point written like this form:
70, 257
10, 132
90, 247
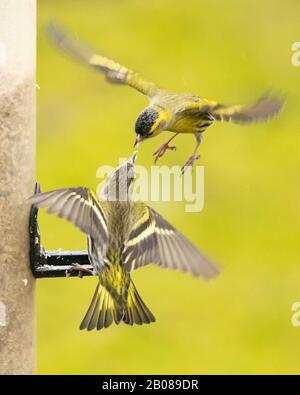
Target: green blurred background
231, 51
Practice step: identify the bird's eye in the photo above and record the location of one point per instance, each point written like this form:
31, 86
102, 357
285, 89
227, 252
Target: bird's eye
150, 134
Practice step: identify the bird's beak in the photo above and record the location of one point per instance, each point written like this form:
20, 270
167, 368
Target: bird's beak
132, 159
138, 140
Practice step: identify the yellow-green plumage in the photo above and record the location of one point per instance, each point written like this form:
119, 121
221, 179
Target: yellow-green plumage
123, 235
175, 112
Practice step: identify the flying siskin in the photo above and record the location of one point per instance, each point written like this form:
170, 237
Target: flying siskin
123, 235
174, 112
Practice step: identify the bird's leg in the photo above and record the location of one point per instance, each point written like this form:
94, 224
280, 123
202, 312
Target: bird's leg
194, 156
163, 148
80, 269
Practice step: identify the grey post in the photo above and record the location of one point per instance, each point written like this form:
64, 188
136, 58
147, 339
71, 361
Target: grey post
17, 179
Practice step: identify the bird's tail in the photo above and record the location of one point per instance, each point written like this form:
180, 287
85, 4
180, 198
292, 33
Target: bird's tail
136, 312
104, 310
263, 109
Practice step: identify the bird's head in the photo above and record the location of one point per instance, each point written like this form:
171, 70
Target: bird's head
119, 184
150, 123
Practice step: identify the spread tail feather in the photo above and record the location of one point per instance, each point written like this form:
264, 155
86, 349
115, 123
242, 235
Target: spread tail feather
136, 311
102, 311
263, 109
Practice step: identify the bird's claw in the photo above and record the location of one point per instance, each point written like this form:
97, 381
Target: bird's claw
79, 268
161, 151
189, 163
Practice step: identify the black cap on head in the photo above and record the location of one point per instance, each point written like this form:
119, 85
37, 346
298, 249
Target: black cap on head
145, 121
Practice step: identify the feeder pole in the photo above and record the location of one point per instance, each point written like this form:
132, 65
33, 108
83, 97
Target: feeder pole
17, 180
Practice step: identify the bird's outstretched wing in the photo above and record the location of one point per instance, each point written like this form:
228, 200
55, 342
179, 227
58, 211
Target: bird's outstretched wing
113, 71
77, 205
154, 240
266, 107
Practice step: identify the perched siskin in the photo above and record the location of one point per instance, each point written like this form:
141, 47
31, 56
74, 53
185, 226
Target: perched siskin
123, 235
175, 112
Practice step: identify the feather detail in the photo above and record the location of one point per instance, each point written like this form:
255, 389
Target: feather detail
155, 240
113, 71
266, 107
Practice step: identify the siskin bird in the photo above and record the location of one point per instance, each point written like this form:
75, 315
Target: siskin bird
123, 235
174, 112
